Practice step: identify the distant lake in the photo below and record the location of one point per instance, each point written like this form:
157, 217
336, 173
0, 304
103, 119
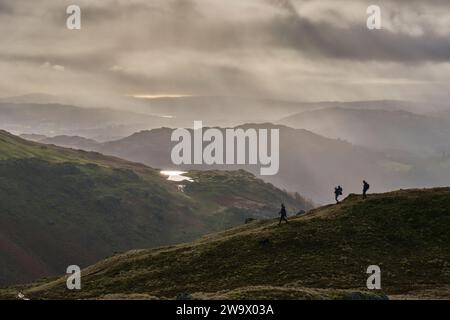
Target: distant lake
175, 175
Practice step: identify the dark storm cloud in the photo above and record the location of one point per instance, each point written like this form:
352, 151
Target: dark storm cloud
356, 42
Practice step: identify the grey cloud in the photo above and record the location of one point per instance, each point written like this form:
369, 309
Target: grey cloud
249, 47
5, 8
357, 42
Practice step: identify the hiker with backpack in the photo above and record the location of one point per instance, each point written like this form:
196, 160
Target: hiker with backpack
283, 214
338, 191
366, 187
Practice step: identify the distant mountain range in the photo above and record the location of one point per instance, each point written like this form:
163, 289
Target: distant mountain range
59, 119
61, 207
68, 142
422, 135
232, 111
119, 117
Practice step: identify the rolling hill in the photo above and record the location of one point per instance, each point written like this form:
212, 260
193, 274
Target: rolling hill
321, 255
74, 142
60, 206
421, 135
71, 142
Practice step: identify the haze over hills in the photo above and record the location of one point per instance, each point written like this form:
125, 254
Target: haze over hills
309, 163
61, 207
68, 142
308, 166
225, 111
33, 98
121, 116
322, 255
442, 114
60, 119
392, 147
421, 135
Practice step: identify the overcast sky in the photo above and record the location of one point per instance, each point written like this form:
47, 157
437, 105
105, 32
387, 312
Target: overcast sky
292, 50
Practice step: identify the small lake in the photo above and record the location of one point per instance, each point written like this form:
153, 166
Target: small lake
175, 175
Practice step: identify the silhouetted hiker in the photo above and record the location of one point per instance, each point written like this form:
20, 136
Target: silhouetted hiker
283, 214
366, 187
337, 193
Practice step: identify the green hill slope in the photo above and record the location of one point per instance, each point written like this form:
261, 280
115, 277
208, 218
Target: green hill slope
324, 254
60, 207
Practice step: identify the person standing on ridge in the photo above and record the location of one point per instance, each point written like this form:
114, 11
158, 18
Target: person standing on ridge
366, 187
337, 193
283, 214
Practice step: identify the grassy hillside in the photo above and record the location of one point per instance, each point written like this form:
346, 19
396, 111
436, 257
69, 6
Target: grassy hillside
324, 254
60, 207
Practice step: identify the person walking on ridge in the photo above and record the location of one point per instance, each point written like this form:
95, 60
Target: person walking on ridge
283, 214
366, 187
337, 193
